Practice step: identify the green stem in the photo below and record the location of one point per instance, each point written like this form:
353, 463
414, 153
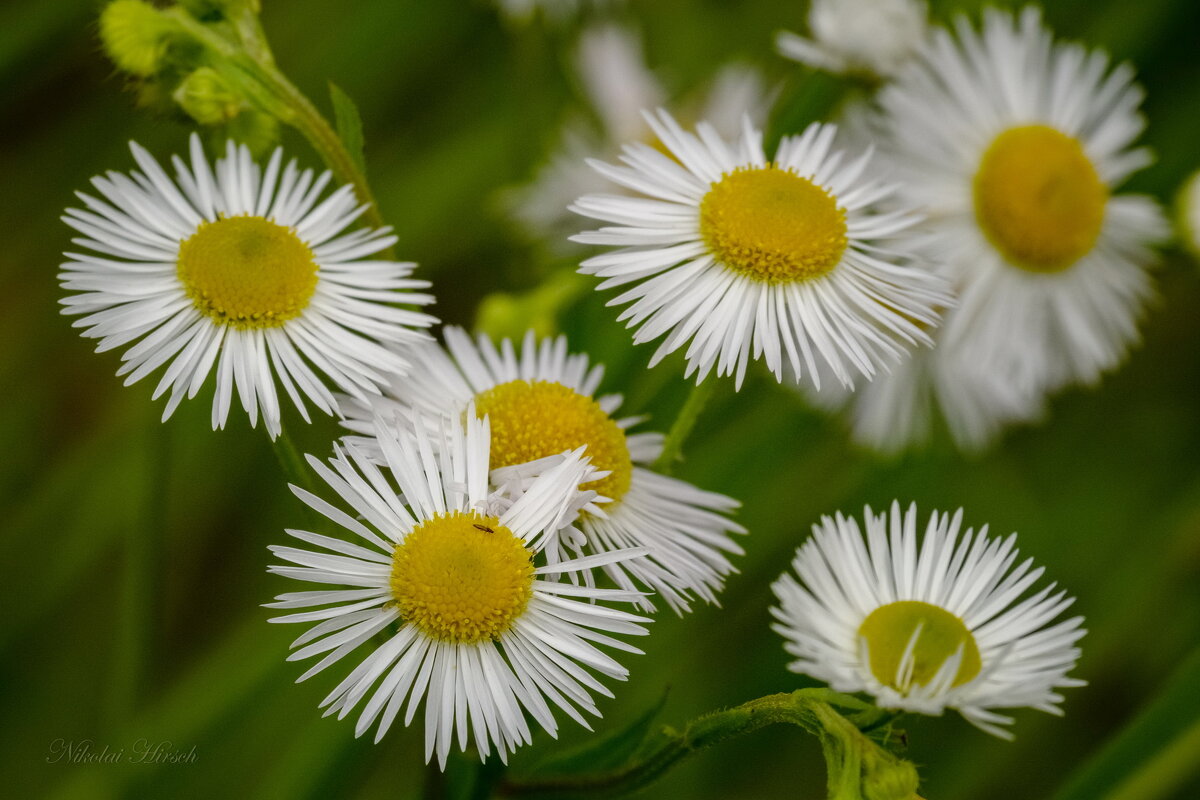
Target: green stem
435, 785
249, 64
295, 471
135, 654
852, 758
1155, 753
697, 399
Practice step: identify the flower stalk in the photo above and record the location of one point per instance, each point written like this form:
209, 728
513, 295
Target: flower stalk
859, 768
240, 53
681, 428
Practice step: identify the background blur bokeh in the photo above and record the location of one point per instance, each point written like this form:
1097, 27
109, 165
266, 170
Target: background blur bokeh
457, 104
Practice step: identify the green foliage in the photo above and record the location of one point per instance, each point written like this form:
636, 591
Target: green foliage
606, 751
349, 125
857, 767
1155, 755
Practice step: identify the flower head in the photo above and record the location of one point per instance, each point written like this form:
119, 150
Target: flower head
242, 271
875, 37
477, 625
541, 401
743, 257
900, 410
929, 626
1014, 146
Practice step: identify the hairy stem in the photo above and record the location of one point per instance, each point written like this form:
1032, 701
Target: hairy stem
136, 645
851, 756
249, 64
697, 399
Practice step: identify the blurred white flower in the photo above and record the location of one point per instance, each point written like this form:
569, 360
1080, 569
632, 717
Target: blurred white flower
899, 409
1013, 147
618, 87
875, 37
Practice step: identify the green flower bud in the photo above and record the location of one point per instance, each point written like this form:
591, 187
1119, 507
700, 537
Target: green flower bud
503, 314
206, 97
1187, 214
135, 36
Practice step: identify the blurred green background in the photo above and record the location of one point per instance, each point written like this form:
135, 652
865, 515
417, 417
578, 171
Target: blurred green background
457, 104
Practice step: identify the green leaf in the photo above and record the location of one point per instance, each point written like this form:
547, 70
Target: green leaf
1155, 754
812, 97
605, 752
348, 122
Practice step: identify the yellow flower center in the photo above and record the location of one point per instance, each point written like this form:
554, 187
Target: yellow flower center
1039, 199
247, 272
888, 630
772, 225
461, 577
532, 420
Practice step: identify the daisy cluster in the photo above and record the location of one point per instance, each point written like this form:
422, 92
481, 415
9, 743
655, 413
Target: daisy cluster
494, 527
495, 512
957, 248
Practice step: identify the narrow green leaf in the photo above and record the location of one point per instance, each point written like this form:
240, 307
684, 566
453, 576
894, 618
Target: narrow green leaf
811, 97
1157, 751
605, 752
348, 122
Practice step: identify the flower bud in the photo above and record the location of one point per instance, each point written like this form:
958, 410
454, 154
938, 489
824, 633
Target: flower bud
135, 36
206, 97
1187, 215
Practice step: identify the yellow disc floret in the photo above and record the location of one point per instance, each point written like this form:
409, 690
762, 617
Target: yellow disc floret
772, 225
1039, 199
532, 420
461, 577
247, 272
889, 629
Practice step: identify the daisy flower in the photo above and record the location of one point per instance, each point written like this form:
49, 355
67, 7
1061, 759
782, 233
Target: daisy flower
473, 626
617, 85
541, 402
1013, 146
872, 37
926, 627
738, 255
243, 271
